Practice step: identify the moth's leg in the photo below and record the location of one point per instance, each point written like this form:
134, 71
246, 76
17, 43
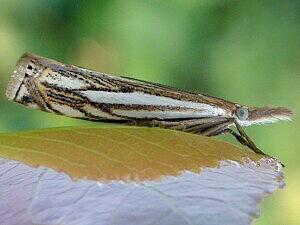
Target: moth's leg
191, 125
177, 125
199, 125
216, 129
174, 125
243, 138
250, 144
238, 137
187, 125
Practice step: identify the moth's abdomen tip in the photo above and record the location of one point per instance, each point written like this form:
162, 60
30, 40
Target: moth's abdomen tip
18, 76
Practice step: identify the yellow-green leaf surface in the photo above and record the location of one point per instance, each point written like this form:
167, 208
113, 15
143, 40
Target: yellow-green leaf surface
118, 152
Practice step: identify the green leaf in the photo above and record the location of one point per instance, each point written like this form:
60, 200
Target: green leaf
130, 176
118, 152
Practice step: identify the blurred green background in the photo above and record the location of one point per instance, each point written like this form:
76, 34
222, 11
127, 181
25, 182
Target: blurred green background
245, 51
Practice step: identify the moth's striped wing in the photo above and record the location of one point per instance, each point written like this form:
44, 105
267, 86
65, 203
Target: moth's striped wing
78, 92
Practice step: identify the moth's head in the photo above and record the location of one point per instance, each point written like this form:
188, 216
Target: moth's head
17, 88
247, 116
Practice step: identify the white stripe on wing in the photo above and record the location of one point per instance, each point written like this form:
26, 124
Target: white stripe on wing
139, 98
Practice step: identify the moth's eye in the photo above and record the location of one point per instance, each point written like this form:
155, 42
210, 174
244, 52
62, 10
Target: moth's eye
242, 113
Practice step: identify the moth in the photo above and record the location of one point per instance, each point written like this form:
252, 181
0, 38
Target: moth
68, 90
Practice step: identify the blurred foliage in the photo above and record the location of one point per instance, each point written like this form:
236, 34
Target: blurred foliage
244, 51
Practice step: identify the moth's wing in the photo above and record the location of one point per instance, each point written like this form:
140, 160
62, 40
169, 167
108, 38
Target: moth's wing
125, 97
